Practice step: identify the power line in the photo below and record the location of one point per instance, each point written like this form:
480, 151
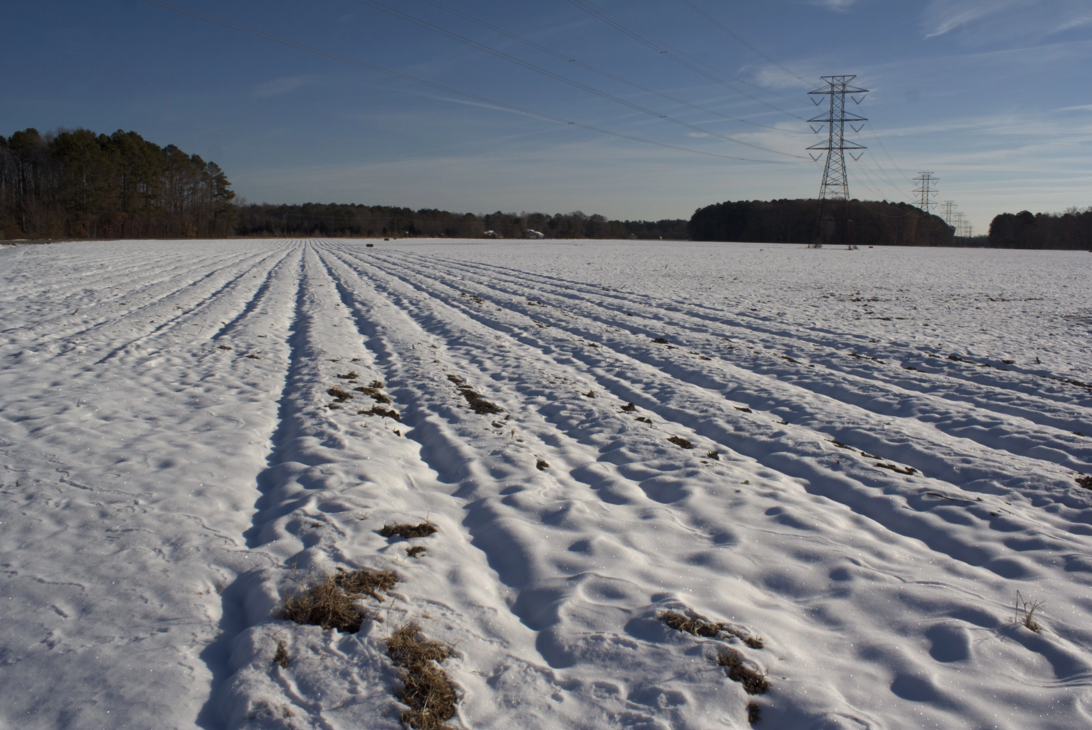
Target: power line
434, 85
571, 82
594, 69
739, 40
835, 183
666, 50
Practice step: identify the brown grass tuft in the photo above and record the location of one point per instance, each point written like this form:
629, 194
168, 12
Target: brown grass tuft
407, 531
426, 688
378, 411
629, 408
339, 394
366, 582
477, 403
714, 455
374, 393
281, 657
1085, 481
691, 623
351, 375
541, 465
753, 682
660, 341
326, 605
414, 550
754, 712
681, 442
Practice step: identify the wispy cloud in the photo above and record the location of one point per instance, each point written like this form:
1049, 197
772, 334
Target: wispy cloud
1005, 18
276, 87
838, 6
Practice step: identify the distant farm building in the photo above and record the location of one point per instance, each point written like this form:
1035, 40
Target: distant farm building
535, 234
491, 234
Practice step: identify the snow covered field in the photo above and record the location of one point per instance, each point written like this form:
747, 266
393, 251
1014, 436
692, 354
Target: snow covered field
884, 450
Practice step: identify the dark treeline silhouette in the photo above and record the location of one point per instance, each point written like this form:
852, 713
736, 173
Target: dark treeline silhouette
1069, 230
367, 221
78, 184
794, 221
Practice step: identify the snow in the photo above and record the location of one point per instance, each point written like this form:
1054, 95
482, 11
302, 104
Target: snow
161, 494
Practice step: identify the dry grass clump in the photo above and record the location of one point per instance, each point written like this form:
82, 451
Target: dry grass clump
414, 550
696, 624
426, 689
691, 623
375, 393
907, 470
753, 682
477, 403
281, 657
351, 375
660, 341
714, 455
754, 712
365, 582
326, 605
681, 442
541, 465
629, 408
407, 531
1084, 481
339, 394
329, 601
384, 412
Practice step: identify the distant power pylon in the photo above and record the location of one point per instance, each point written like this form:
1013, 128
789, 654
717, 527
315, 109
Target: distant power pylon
835, 179
949, 207
925, 182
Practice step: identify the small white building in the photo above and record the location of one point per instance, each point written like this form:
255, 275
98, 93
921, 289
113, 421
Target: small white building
491, 234
531, 233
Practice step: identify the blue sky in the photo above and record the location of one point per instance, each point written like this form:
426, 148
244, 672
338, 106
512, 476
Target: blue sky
992, 96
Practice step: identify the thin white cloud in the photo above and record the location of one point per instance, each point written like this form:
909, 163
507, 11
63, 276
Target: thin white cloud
276, 87
1005, 18
838, 6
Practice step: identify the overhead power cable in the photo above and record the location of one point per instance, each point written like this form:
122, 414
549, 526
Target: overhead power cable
563, 79
594, 69
433, 85
672, 53
739, 40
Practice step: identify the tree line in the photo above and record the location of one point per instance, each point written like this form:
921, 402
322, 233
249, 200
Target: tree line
804, 221
78, 184
369, 221
1071, 230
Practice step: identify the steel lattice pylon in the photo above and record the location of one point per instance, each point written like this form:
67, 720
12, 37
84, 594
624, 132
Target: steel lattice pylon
835, 178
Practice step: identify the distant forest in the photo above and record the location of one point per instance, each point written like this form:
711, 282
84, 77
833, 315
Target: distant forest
1069, 230
793, 221
82, 185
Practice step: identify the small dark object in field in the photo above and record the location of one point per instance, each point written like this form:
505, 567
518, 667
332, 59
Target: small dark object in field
590, 394
744, 409
377, 384
753, 682
681, 442
407, 531
369, 245
629, 408
840, 445
224, 347
714, 455
252, 356
754, 712
1009, 362
351, 375
414, 550
333, 406
385, 413
660, 341
426, 688
340, 395
281, 657
1085, 481
541, 465
642, 419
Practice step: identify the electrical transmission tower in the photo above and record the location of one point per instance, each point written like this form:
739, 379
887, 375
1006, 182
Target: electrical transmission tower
949, 207
925, 189
835, 178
